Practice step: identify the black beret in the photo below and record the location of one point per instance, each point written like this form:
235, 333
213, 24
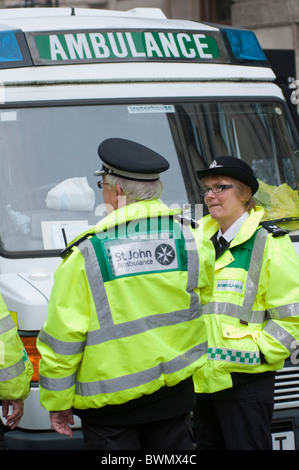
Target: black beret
128, 159
232, 166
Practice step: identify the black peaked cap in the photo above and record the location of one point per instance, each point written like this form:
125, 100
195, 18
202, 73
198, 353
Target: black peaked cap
131, 160
232, 166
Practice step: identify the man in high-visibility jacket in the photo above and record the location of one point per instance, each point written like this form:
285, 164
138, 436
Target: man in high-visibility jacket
253, 317
15, 369
124, 332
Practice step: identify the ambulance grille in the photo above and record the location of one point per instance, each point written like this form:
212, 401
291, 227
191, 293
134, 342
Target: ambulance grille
286, 394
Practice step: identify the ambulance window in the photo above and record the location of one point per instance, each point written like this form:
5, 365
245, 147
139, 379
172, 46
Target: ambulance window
48, 157
257, 132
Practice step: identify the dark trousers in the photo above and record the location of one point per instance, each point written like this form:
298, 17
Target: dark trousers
168, 434
238, 418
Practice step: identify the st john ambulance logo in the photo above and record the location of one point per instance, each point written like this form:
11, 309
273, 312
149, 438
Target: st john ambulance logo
165, 254
134, 257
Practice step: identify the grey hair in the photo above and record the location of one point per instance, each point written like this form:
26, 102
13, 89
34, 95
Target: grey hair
136, 190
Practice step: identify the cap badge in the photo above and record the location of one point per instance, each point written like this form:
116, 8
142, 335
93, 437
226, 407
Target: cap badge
213, 164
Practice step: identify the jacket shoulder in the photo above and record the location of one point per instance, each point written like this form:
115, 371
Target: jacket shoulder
185, 221
66, 251
271, 227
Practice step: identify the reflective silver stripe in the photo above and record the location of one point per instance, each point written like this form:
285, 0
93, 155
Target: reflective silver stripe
12, 371
140, 325
6, 324
233, 310
245, 311
140, 378
129, 381
193, 267
57, 385
285, 311
96, 284
254, 272
61, 347
256, 316
280, 334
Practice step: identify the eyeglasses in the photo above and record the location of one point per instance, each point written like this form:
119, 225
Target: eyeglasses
217, 188
101, 184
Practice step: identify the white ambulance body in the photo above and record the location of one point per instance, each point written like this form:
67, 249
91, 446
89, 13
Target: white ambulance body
74, 77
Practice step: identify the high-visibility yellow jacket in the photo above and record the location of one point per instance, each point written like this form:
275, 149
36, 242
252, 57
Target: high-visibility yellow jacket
125, 316
15, 367
253, 317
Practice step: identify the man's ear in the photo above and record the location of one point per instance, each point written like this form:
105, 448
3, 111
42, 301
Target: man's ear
120, 198
119, 190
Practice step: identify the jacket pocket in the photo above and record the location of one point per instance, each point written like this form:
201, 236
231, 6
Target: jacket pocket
232, 332
237, 349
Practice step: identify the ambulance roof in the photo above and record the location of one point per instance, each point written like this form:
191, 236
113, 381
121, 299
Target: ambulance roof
51, 44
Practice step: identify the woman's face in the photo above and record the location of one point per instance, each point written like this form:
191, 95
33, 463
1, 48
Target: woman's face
225, 207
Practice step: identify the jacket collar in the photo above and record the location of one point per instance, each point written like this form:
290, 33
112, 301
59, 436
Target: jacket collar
210, 226
137, 210
233, 230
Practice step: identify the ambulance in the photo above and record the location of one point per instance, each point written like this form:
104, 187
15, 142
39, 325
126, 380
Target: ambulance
71, 78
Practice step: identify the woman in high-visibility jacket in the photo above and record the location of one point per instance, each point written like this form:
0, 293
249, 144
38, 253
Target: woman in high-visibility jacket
15, 369
253, 317
124, 332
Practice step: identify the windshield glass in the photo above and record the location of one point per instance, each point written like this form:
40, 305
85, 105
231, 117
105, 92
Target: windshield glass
49, 155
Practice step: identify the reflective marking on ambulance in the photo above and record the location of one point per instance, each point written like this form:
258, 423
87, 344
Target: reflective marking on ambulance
93, 46
142, 256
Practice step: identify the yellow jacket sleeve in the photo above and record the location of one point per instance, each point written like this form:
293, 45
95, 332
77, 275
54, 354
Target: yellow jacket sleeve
206, 270
280, 288
67, 321
15, 367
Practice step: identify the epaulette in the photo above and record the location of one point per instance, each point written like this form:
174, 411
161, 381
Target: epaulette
273, 228
185, 220
68, 249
